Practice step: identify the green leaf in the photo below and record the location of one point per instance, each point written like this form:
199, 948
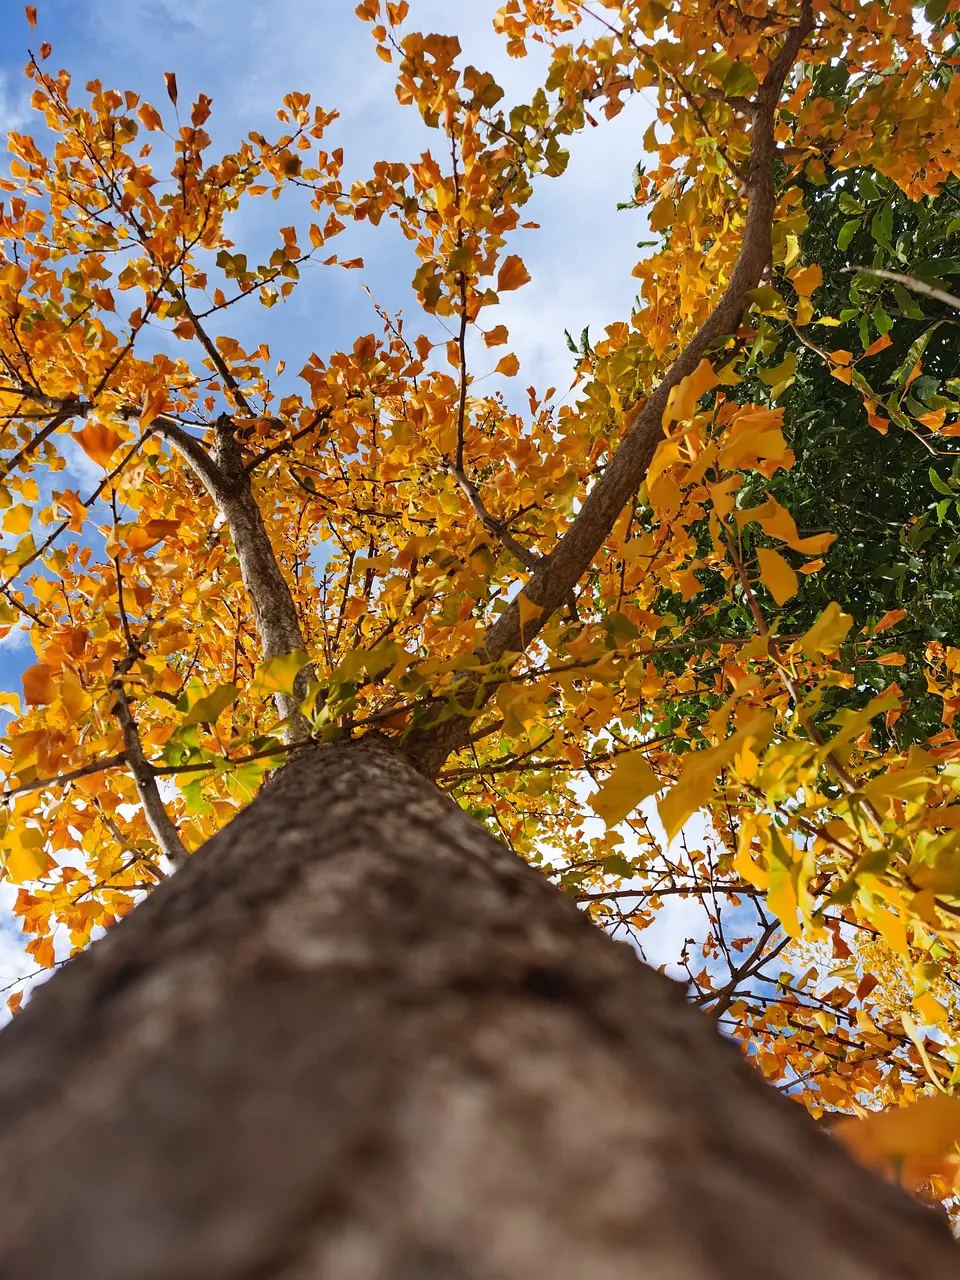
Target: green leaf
206, 710
739, 81
907, 303
917, 348
939, 485
847, 232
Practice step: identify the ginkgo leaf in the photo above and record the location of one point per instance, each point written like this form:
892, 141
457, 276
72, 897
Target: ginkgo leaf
98, 442
776, 575
684, 397
39, 686
889, 619
150, 117
911, 1142
497, 336
207, 709
700, 768
512, 274
279, 674
828, 632
629, 782
17, 519
806, 279
529, 612
509, 366
25, 857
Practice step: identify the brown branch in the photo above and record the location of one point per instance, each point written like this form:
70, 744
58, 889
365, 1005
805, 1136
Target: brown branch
560, 571
63, 779
160, 822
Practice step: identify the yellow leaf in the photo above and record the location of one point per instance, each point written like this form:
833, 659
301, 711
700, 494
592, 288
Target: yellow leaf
630, 780
694, 788
208, 709
753, 435
776, 575
529, 611
785, 863
893, 929
685, 396
98, 442
17, 519
74, 697
496, 337
509, 366
278, 675
38, 685
779, 523
512, 274
25, 857
828, 632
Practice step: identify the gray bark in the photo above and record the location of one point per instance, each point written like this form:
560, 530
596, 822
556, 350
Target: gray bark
355, 1038
274, 613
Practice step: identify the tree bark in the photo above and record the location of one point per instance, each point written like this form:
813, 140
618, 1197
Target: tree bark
355, 1038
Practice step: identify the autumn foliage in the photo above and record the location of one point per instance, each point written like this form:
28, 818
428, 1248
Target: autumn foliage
575, 610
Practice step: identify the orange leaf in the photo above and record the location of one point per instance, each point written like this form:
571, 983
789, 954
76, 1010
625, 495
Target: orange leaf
496, 337
509, 366
31, 11
171, 83
806, 279
15, 1001
98, 442
889, 619
43, 952
512, 275
38, 685
150, 117
880, 344
912, 1142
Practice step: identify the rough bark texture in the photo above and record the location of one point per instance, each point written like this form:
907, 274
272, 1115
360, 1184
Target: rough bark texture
357, 1039
274, 613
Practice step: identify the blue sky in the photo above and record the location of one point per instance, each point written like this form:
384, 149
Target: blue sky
246, 54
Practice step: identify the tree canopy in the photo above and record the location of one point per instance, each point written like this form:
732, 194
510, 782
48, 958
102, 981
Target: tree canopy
687, 631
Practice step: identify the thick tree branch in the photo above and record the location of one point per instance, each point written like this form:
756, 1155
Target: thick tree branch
560, 571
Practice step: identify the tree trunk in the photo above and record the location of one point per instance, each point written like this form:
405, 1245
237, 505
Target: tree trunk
355, 1038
